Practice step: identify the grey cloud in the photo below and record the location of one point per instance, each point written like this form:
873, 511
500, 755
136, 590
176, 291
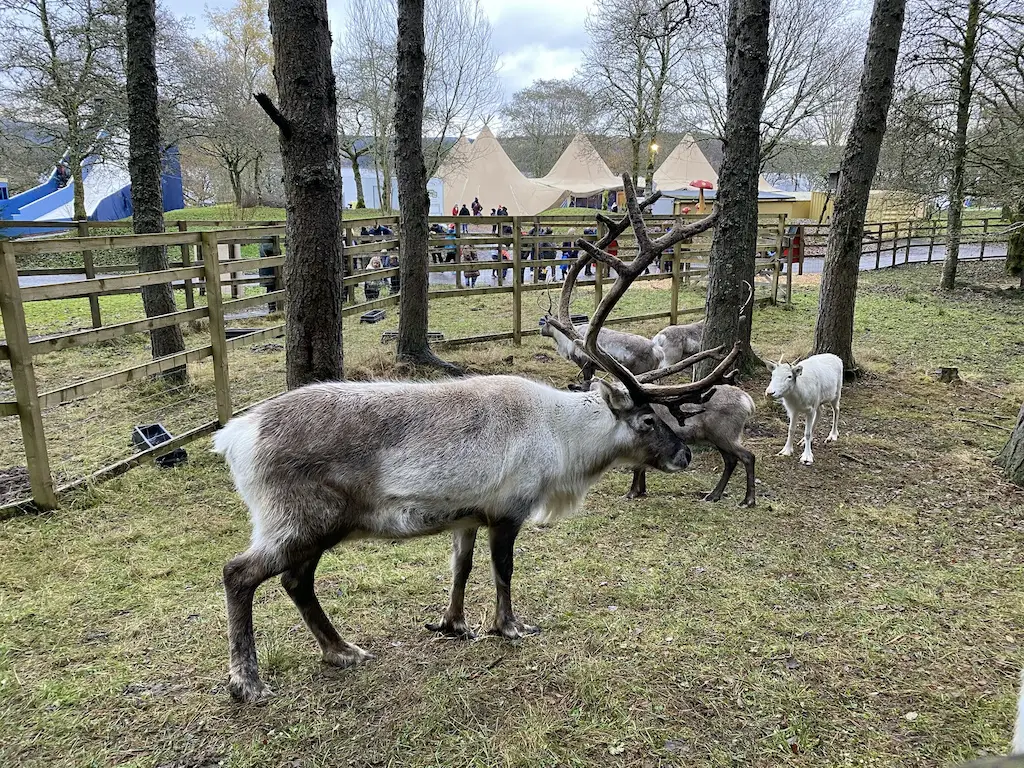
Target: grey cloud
517, 27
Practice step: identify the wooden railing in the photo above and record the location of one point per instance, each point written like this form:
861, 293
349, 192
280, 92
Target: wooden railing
199, 275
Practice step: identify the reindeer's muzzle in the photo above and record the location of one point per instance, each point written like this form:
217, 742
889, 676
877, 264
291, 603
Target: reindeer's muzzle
680, 461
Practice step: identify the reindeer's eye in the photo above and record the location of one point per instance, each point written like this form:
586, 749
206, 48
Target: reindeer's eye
647, 422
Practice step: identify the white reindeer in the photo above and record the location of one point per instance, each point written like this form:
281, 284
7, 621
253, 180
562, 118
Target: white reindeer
803, 387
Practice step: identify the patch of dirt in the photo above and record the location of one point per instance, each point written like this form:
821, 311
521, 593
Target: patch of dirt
542, 358
266, 348
14, 484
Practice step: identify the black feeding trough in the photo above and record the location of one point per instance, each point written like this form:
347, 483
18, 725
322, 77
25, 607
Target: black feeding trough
576, 320
234, 333
147, 436
373, 316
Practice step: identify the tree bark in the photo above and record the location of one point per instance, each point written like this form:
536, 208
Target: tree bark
357, 174
78, 191
965, 93
413, 200
1014, 213
144, 166
308, 123
833, 332
735, 243
1011, 458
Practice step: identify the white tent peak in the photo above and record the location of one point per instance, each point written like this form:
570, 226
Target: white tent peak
684, 164
490, 176
581, 170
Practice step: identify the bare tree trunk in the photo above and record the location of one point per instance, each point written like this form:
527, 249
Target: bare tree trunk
75, 168
308, 123
735, 243
834, 329
358, 176
1011, 458
144, 166
965, 92
386, 178
413, 201
235, 176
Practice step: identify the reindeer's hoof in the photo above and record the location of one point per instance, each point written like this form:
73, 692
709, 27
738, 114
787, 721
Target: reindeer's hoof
785, 452
513, 630
348, 656
457, 628
636, 494
248, 690
805, 459
747, 504
832, 438
712, 497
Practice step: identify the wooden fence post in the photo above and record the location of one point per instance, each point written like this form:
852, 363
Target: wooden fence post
895, 241
218, 339
535, 251
780, 236
517, 283
878, 246
674, 311
776, 271
910, 235
931, 240
90, 273
186, 261
29, 413
279, 271
984, 237
789, 283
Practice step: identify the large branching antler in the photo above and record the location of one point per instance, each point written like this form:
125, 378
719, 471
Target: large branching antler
625, 275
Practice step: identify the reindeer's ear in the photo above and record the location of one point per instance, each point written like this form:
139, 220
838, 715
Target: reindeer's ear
771, 366
617, 399
797, 370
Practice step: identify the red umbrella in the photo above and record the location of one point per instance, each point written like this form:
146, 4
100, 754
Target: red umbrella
701, 184
686, 209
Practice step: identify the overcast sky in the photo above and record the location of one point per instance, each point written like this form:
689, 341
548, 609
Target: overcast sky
535, 38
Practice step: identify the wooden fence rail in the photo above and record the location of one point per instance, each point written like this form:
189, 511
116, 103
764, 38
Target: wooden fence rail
202, 265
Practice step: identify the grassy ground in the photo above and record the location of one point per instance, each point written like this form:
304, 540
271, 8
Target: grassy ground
866, 613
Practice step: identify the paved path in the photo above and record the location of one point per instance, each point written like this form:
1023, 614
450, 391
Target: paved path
812, 265
918, 254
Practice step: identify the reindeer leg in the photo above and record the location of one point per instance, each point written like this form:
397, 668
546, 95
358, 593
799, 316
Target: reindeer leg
748, 464
242, 575
502, 540
298, 583
730, 466
453, 621
639, 488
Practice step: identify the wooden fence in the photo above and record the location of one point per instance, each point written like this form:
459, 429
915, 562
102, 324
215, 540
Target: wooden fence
896, 243
60, 421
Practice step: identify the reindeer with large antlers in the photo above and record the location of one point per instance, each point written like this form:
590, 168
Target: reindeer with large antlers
336, 461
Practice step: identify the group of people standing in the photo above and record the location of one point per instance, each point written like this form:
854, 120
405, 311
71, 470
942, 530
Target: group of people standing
476, 209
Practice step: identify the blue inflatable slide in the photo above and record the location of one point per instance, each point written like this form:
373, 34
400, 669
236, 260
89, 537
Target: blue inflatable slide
108, 194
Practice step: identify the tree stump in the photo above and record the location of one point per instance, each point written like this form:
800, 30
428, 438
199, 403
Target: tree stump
948, 375
1011, 458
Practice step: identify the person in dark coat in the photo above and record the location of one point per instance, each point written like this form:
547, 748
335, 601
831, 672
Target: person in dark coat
266, 252
464, 211
569, 251
473, 273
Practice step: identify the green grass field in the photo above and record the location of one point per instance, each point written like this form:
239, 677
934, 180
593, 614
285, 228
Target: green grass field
866, 613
